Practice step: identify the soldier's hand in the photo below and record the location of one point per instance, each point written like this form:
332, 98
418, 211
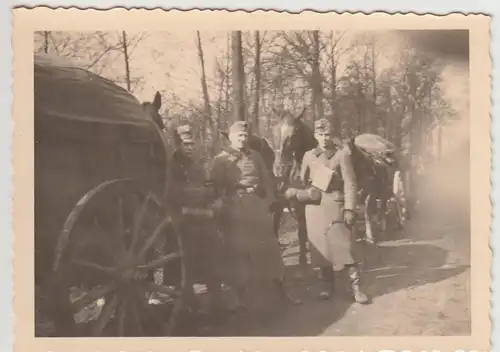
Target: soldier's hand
349, 217
290, 194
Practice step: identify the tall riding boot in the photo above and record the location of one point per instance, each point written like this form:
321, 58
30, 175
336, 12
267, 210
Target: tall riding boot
327, 279
355, 278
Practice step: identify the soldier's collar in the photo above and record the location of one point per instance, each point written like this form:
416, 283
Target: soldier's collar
329, 153
234, 154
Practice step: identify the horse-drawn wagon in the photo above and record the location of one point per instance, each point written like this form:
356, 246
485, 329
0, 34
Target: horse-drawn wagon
104, 233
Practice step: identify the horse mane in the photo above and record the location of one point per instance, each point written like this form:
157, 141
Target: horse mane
262, 146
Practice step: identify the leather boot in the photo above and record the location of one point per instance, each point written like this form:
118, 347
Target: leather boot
327, 279
355, 278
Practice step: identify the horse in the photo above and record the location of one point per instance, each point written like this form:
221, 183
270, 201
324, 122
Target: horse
377, 190
291, 139
152, 109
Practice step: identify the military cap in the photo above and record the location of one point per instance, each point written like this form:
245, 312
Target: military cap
322, 126
185, 133
239, 126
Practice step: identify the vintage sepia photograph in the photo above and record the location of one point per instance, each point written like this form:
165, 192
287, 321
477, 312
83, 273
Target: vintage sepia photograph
254, 183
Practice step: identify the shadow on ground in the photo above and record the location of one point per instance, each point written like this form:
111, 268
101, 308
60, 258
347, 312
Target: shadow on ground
387, 269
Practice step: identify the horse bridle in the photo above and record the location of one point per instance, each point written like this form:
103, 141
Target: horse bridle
282, 183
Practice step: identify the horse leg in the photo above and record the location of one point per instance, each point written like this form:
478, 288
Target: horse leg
383, 217
400, 212
302, 234
368, 218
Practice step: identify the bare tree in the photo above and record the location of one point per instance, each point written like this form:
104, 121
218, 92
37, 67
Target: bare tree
126, 58
238, 76
204, 87
257, 73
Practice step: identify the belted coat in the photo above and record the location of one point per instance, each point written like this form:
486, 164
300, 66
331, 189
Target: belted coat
193, 201
253, 249
332, 242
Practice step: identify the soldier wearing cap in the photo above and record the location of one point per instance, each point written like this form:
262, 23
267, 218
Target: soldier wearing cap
245, 185
193, 200
330, 219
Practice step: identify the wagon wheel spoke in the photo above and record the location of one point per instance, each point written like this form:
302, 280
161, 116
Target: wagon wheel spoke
151, 240
122, 315
93, 295
136, 317
106, 315
138, 219
157, 263
91, 265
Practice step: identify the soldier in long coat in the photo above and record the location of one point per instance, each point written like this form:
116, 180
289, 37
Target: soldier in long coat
243, 183
329, 223
192, 197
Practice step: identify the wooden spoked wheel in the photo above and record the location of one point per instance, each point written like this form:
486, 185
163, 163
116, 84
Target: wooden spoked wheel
119, 268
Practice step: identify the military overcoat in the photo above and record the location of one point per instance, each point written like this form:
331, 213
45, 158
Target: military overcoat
191, 198
253, 250
332, 242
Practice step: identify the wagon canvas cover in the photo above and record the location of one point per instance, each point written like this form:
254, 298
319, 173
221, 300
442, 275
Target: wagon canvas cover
88, 131
72, 100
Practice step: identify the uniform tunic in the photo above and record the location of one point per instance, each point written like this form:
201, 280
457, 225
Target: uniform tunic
201, 243
331, 240
253, 250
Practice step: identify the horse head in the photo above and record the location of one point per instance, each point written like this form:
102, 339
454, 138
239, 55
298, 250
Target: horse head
291, 139
152, 109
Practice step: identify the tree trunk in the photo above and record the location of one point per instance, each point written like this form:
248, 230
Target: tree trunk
238, 78
45, 42
380, 123
125, 56
317, 88
439, 141
257, 83
227, 86
337, 125
222, 83
206, 99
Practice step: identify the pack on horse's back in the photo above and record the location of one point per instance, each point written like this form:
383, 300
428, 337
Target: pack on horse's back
372, 157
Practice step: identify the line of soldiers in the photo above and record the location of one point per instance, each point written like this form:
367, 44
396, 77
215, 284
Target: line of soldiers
237, 196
